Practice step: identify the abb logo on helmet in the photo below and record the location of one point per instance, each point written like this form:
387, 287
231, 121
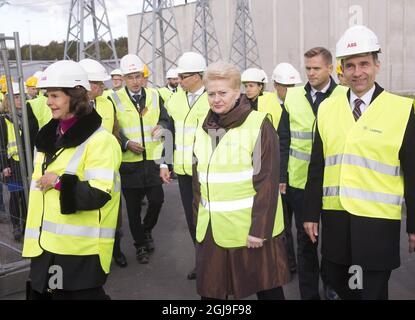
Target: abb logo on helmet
351, 45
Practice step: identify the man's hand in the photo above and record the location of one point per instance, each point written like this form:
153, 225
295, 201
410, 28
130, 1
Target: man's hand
283, 188
157, 132
254, 242
411, 242
7, 172
135, 147
311, 228
47, 181
165, 175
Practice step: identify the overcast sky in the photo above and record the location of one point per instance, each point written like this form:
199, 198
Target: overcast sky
47, 20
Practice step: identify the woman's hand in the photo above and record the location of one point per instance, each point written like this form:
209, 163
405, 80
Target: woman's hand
7, 172
254, 242
47, 181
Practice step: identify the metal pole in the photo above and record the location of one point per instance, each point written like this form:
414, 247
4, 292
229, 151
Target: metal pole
26, 131
81, 4
205, 40
244, 35
154, 36
162, 45
94, 23
14, 115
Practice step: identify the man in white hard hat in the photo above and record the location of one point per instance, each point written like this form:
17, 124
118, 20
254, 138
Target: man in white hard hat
283, 77
362, 168
188, 108
105, 107
117, 80
301, 104
142, 119
171, 86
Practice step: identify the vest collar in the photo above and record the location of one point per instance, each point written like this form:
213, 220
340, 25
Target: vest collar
76, 135
378, 91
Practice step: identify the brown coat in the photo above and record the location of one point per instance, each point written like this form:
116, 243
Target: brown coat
242, 272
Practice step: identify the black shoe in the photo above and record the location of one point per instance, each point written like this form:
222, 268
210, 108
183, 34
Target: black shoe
142, 255
330, 294
192, 274
148, 239
120, 260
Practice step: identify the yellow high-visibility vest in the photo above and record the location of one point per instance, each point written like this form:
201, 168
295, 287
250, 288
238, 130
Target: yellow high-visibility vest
106, 110
362, 173
130, 124
302, 125
269, 103
91, 232
226, 185
41, 110
186, 120
12, 151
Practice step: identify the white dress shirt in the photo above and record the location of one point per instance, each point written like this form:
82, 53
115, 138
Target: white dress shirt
366, 98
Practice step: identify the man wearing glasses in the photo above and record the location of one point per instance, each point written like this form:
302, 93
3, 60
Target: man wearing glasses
187, 108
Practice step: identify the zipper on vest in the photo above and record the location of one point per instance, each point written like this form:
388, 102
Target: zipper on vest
142, 136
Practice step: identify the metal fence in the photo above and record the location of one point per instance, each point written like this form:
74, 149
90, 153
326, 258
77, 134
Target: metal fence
15, 173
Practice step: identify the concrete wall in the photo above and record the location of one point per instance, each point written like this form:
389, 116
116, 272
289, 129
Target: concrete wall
285, 29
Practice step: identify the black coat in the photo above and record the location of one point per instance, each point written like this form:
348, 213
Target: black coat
347, 239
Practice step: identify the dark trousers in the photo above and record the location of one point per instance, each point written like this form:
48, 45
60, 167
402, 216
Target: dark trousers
186, 194
307, 258
289, 241
374, 284
17, 208
87, 294
133, 198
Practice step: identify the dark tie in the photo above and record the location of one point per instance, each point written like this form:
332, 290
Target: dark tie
137, 98
356, 111
319, 98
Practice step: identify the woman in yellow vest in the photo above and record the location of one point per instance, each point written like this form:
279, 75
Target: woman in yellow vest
239, 249
74, 193
10, 164
254, 81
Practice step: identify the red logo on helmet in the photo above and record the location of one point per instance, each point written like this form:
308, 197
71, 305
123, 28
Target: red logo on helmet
351, 45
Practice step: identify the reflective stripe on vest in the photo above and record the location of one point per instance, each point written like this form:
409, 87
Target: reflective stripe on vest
302, 135
77, 231
227, 206
363, 194
300, 155
363, 162
226, 177
362, 173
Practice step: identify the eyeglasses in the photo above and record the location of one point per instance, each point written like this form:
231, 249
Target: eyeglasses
184, 75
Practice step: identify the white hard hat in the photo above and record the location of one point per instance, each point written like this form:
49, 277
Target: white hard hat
285, 73
131, 63
171, 73
64, 74
191, 62
254, 75
37, 74
16, 88
116, 72
356, 40
95, 70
